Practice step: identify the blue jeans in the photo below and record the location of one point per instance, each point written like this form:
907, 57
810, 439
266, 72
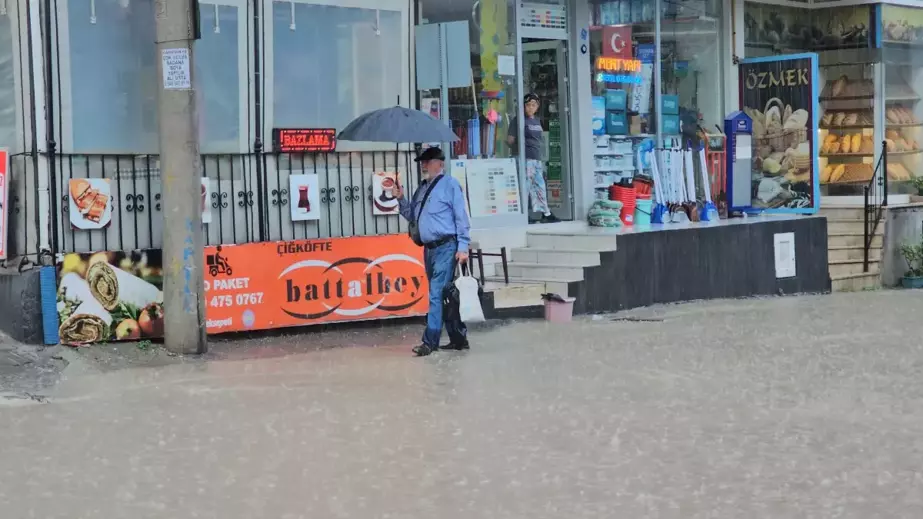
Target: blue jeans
440, 271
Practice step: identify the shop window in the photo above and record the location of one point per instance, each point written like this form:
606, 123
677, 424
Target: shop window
331, 64
109, 77
8, 100
481, 112
902, 56
691, 68
218, 79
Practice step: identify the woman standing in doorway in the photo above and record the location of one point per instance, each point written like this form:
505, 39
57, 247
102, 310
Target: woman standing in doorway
534, 142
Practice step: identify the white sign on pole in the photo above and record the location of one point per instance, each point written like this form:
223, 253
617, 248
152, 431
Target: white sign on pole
176, 74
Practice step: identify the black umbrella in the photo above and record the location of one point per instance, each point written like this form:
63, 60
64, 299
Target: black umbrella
397, 125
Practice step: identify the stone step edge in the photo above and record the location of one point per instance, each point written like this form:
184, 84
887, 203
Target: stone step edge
852, 261
871, 273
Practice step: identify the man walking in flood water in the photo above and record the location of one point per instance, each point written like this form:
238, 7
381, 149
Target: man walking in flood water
438, 207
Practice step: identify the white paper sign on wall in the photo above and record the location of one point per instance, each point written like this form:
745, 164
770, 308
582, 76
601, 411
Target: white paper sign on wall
784, 245
176, 74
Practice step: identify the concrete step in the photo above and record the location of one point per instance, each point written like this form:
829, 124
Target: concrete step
545, 272
517, 295
843, 268
584, 241
576, 258
844, 225
856, 282
849, 239
854, 212
521, 292
852, 253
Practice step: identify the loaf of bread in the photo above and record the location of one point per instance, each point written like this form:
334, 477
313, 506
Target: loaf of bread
839, 86
846, 144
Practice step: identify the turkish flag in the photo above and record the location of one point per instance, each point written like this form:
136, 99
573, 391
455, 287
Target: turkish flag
617, 42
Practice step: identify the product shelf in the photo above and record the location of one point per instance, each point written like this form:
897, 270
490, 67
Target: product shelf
849, 127
902, 99
845, 155
847, 98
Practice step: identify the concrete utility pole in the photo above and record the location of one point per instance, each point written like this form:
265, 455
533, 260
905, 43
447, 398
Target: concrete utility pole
180, 173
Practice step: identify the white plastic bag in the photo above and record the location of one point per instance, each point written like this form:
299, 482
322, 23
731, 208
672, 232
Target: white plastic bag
469, 307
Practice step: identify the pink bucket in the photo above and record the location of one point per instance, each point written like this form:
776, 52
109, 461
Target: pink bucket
557, 312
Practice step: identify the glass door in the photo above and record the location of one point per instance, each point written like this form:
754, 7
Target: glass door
544, 73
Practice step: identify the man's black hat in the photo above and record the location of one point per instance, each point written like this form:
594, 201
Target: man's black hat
433, 153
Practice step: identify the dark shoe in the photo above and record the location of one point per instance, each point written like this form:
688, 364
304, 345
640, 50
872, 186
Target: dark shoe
550, 219
423, 350
457, 346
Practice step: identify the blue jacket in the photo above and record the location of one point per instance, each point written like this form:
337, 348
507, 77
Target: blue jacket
444, 213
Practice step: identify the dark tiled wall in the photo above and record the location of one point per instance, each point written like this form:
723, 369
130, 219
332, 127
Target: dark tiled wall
731, 261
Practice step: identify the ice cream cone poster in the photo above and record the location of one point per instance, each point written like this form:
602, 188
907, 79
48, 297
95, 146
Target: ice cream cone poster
305, 197
90, 203
110, 296
384, 202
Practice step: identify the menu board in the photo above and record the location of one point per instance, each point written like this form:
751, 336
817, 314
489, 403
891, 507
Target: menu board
493, 187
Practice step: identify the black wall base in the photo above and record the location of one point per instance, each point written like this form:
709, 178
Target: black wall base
720, 262
21, 306
730, 261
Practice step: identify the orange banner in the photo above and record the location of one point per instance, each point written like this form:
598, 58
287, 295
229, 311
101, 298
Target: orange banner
277, 284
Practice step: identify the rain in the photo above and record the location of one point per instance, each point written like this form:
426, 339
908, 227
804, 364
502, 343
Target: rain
808, 406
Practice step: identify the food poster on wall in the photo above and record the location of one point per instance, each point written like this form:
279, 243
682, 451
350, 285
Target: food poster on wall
4, 200
430, 105
779, 29
384, 202
901, 24
206, 196
780, 94
107, 296
305, 197
90, 203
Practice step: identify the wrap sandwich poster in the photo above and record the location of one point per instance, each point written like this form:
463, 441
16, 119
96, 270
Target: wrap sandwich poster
780, 94
109, 296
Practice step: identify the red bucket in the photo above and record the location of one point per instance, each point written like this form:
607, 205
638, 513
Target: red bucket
626, 195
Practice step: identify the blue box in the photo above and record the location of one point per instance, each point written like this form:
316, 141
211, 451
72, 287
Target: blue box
616, 123
616, 99
670, 104
599, 115
671, 125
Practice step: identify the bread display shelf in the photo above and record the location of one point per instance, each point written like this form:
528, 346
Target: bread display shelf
849, 127
902, 99
835, 155
847, 98
905, 125
908, 152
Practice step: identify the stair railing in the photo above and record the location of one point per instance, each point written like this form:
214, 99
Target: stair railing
876, 200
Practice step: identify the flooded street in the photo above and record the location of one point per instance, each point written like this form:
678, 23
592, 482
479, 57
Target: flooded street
799, 407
